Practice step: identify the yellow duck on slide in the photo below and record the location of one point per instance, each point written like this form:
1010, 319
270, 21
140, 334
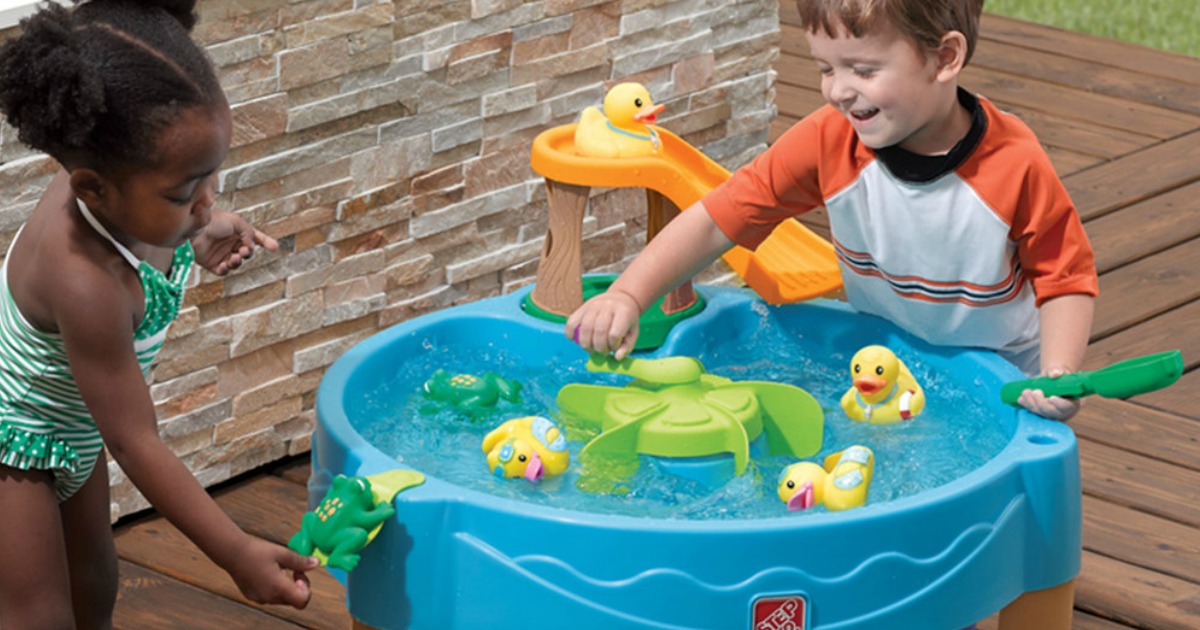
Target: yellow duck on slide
841, 484
623, 129
884, 391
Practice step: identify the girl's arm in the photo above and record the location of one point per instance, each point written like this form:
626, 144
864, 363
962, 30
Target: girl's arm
1066, 323
95, 320
688, 244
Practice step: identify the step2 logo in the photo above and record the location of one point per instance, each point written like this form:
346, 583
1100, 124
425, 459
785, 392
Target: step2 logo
779, 613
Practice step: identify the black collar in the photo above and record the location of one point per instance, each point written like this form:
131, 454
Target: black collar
920, 169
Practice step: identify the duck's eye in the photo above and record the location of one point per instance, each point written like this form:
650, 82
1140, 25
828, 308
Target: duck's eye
521, 457
791, 484
637, 101
857, 368
879, 370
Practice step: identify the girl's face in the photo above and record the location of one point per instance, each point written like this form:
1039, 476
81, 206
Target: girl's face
888, 89
171, 201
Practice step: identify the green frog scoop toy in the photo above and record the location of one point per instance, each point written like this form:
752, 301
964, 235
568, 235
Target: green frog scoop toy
350, 516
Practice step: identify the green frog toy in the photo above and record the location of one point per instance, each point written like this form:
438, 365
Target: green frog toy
469, 392
350, 516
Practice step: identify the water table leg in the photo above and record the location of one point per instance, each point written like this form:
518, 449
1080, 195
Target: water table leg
1047, 609
558, 289
659, 212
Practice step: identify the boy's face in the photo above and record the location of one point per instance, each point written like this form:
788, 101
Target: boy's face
888, 89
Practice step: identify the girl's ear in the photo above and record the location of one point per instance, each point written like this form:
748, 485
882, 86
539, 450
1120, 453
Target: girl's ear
89, 186
951, 55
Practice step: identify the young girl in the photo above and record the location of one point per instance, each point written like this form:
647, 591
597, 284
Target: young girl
120, 96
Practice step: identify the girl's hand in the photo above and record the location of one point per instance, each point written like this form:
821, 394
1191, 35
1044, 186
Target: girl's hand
228, 241
606, 323
1053, 407
267, 573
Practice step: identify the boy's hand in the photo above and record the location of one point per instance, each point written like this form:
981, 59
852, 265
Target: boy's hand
267, 573
228, 241
1053, 407
606, 323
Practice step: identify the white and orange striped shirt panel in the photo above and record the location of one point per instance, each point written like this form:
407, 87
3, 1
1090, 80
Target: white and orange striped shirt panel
961, 260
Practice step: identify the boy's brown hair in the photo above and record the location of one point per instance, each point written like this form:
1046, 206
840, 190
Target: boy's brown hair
924, 21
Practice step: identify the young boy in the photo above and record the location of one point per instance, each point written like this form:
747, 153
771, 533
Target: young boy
947, 216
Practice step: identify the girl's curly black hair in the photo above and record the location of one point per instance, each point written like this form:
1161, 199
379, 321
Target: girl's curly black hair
93, 85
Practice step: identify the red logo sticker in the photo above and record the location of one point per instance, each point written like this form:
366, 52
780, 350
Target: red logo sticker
779, 613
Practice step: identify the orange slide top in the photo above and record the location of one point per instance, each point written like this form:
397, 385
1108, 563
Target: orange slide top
793, 264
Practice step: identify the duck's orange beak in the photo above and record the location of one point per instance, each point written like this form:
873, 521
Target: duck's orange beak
869, 384
649, 114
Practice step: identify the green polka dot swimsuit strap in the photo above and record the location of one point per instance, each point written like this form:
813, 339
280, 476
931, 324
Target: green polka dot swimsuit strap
163, 293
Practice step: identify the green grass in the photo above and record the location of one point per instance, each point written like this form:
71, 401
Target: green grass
1166, 24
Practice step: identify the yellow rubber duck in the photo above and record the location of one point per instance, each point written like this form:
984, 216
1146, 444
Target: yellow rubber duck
841, 484
626, 131
884, 391
529, 447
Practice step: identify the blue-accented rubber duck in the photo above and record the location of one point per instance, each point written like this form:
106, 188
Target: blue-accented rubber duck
623, 129
529, 447
842, 483
884, 391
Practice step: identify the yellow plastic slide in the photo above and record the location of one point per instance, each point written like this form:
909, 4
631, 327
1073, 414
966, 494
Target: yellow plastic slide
793, 264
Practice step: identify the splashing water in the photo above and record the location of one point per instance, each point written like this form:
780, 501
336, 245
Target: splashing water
953, 436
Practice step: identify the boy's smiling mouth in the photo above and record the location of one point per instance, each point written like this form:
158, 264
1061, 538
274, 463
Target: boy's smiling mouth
863, 114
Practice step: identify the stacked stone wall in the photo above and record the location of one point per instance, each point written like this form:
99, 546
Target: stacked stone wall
387, 146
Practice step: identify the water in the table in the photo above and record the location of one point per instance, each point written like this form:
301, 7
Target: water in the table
953, 436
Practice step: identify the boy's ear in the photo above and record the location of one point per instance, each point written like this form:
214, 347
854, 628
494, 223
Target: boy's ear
951, 55
89, 186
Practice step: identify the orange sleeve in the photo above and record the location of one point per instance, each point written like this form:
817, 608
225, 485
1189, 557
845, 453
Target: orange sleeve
1051, 243
781, 182
1013, 174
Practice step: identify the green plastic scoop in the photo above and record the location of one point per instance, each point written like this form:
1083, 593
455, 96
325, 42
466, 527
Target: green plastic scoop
1119, 380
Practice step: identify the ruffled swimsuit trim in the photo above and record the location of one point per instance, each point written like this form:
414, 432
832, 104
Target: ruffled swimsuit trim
44, 423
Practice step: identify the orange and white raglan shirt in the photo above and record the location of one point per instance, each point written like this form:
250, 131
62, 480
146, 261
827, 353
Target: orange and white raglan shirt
959, 249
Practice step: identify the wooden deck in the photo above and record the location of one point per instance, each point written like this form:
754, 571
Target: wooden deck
1122, 125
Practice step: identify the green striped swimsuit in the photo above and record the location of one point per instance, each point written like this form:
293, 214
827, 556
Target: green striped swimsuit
44, 423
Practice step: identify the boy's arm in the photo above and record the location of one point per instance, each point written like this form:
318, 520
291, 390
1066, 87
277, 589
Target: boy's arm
1066, 323
688, 244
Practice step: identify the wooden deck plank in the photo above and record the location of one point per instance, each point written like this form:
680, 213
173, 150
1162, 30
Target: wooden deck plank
1136, 177
1142, 290
1135, 596
157, 545
1156, 434
1079, 136
1141, 539
1148, 485
148, 599
1170, 331
1081, 46
1145, 228
1089, 76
